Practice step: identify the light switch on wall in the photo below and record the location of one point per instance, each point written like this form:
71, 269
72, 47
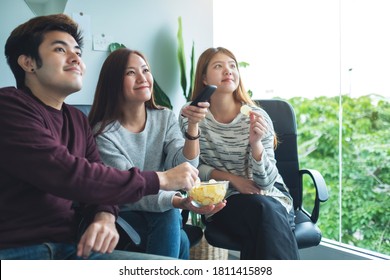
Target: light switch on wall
101, 42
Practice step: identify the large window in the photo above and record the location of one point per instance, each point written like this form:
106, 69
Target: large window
331, 60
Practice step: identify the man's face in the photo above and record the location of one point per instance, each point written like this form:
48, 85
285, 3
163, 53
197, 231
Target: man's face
62, 68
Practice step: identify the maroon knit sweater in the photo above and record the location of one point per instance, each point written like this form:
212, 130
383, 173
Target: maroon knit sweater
48, 158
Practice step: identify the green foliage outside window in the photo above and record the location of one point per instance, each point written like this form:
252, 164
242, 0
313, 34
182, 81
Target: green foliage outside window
365, 165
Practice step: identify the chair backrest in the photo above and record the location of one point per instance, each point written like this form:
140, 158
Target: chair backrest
83, 108
283, 116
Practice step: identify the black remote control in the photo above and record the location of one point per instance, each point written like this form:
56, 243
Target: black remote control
204, 95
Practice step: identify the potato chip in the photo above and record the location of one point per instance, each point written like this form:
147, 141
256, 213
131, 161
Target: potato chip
245, 109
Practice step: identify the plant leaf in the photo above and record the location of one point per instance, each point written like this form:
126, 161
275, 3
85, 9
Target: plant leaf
181, 58
192, 72
243, 64
114, 46
160, 97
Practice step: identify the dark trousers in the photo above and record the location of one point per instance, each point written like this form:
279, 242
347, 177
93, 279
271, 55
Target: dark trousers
262, 224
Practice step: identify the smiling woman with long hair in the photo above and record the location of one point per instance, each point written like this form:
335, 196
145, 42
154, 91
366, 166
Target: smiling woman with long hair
239, 148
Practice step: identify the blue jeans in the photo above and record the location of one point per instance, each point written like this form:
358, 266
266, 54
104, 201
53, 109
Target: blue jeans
65, 251
161, 232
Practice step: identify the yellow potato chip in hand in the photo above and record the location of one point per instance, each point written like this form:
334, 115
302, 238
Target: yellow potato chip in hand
245, 110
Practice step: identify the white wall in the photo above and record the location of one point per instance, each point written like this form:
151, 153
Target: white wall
148, 25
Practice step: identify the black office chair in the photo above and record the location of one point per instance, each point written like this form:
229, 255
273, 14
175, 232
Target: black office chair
307, 232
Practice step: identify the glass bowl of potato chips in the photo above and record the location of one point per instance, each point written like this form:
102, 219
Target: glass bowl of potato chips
207, 193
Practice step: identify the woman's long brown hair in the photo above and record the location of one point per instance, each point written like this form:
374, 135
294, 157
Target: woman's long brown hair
240, 94
109, 94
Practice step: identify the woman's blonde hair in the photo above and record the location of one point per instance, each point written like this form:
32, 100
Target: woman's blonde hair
239, 95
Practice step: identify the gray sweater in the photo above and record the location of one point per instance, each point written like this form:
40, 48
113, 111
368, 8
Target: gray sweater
158, 147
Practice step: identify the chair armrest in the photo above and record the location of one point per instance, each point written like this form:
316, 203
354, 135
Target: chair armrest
129, 232
321, 191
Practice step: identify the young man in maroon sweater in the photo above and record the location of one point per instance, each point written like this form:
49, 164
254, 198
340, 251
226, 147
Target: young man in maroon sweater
48, 156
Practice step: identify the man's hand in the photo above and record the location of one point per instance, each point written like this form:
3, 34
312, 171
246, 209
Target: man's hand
101, 236
180, 177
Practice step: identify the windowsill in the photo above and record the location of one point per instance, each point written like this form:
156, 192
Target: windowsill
331, 250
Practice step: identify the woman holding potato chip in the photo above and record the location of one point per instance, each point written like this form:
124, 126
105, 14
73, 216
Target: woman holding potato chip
132, 131
237, 145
